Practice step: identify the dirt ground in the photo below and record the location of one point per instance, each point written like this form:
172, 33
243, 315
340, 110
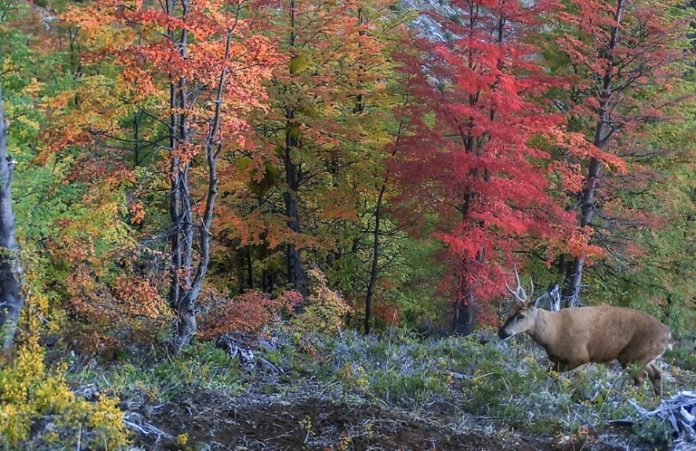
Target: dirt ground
214, 421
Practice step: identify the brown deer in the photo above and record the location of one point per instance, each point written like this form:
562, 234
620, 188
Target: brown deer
575, 336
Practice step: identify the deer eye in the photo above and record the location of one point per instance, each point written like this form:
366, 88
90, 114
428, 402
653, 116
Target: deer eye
520, 317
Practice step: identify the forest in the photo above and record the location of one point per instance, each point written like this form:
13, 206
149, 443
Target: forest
303, 224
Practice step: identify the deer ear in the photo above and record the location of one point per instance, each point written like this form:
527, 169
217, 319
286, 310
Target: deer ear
535, 304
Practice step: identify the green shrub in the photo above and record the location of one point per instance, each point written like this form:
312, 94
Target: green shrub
201, 365
655, 432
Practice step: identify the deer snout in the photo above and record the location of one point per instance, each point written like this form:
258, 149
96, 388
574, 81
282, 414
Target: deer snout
502, 334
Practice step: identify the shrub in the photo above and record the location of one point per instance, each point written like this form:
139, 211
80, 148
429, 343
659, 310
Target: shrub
199, 366
127, 311
29, 394
325, 309
248, 312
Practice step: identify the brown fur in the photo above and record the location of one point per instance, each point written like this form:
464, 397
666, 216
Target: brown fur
575, 336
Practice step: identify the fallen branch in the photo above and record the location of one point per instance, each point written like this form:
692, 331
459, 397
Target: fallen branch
135, 422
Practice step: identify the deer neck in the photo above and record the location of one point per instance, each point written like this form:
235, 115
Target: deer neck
543, 331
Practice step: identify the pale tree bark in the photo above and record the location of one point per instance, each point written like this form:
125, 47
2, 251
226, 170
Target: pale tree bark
190, 236
11, 299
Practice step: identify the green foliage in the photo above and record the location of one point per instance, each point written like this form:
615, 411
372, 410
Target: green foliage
683, 354
201, 366
654, 432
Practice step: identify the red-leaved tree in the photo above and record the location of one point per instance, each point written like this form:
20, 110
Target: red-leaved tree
475, 156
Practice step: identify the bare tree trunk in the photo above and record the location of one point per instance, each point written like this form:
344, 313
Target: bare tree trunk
374, 268
293, 176
188, 273
573, 277
11, 299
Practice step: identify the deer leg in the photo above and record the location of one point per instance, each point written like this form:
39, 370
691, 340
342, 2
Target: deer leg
637, 370
560, 367
656, 379
639, 377
554, 366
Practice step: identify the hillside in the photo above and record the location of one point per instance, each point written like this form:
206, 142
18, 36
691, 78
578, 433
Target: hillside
347, 224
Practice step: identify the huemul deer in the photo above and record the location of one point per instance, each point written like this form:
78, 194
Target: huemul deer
575, 336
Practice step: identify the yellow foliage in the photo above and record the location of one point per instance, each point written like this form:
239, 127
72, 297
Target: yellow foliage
29, 391
325, 309
355, 375
182, 439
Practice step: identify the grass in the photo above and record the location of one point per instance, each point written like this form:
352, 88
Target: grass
200, 367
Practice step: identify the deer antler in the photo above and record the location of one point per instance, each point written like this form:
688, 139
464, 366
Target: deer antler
517, 276
518, 292
513, 292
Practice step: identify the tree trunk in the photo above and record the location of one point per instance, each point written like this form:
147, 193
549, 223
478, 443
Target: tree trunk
376, 233
250, 267
187, 283
292, 258
11, 299
575, 270
463, 315
573, 277
293, 174
374, 268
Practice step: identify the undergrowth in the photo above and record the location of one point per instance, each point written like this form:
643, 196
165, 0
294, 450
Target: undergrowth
39, 409
198, 367
446, 379
480, 375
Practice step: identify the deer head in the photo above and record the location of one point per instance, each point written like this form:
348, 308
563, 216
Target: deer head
522, 313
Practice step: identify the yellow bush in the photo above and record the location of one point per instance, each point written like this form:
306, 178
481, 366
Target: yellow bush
325, 309
30, 392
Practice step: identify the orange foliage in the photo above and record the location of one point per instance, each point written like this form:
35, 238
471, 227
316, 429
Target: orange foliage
388, 313
248, 312
578, 243
93, 343
137, 213
138, 297
571, 176
578, 145
129, 298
